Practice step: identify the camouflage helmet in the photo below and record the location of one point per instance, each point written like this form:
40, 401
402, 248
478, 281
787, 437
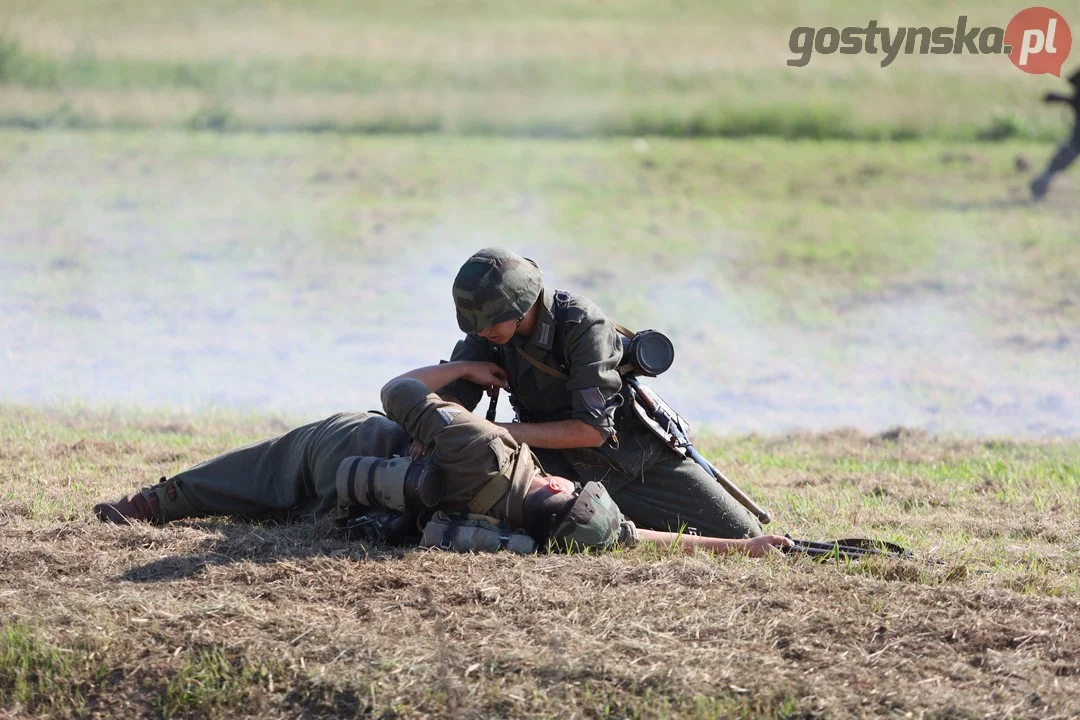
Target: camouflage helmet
493, 286
593, 521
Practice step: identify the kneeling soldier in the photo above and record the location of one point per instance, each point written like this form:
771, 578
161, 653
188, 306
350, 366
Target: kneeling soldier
485, 475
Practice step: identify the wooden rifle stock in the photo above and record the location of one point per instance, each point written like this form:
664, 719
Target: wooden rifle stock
678, 439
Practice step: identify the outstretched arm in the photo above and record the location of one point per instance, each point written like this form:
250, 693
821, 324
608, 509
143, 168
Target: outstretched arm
485, 374
754, 547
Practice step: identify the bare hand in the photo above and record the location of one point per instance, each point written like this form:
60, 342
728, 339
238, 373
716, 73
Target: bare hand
766, 544
418, 450
487, 375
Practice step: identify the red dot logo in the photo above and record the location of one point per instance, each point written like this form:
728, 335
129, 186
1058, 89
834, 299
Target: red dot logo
1040, 40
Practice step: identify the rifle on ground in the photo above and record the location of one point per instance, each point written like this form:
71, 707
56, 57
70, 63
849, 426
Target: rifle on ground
847, 549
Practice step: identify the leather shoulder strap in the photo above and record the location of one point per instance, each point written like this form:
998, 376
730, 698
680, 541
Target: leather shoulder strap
541, 366
489, 494
495, 488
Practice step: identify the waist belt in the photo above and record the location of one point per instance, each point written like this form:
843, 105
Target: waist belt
531, 417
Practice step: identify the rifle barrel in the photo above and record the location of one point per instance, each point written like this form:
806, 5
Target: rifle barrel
731, 487
818, 548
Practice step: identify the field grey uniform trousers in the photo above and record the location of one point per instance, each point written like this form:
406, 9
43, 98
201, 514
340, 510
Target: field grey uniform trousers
654, 486
291, 476
1066, 154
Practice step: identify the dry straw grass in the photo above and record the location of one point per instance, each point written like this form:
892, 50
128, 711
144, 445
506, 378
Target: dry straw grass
217, 618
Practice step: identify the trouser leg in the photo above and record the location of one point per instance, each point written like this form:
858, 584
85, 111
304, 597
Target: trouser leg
266, 479
1062, 159
287, 476
553, 462
347, 436
1065, 155
676, 493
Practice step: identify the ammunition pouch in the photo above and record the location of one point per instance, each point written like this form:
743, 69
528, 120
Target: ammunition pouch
391, 483
657, 416
465, 532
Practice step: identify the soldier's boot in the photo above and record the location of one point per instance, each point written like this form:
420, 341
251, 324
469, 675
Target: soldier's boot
1040, 185
136, 507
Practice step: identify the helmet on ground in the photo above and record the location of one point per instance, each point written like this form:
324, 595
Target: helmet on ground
493, 286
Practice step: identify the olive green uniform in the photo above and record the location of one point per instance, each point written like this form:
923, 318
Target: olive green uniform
653, 485
294, 475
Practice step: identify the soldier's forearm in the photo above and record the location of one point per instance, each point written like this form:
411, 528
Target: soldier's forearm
485, 374
754, 547
690, 543
557, 435
436, 376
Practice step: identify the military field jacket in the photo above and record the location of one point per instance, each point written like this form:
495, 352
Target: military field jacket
584, 346
468, 449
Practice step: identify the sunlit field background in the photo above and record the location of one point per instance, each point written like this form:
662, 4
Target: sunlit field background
222, 219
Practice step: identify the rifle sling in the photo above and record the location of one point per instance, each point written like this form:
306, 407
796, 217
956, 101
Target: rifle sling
547, 369
496, 487
488, 495
541, 366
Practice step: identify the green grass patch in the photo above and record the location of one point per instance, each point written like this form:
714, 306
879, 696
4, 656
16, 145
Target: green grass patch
209, 682
561, 69
42, 677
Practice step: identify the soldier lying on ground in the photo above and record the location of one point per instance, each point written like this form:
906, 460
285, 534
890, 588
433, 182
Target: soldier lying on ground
1068, 151
562, 357
485, 471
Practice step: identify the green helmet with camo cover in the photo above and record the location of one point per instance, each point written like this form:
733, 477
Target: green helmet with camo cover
593, 521
493, 286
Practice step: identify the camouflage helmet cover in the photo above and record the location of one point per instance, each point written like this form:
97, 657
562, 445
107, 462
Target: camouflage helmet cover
594, 520
493, 286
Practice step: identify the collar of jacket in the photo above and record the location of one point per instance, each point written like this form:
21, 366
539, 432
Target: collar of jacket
543, 334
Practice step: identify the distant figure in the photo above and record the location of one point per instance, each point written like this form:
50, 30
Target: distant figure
1068, 151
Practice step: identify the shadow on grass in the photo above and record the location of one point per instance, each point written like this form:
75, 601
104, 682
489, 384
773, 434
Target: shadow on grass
262, 542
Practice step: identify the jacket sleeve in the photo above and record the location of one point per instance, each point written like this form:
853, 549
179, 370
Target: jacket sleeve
410, 404
427, 417
469, 394
469, 450
593, 352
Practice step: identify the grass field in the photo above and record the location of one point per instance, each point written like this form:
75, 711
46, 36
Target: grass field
222, 619
567, 68
217, 207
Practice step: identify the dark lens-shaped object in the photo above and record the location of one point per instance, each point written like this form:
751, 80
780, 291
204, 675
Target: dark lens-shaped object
650, 352
423, 486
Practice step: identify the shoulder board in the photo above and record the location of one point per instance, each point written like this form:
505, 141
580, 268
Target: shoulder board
565, 309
